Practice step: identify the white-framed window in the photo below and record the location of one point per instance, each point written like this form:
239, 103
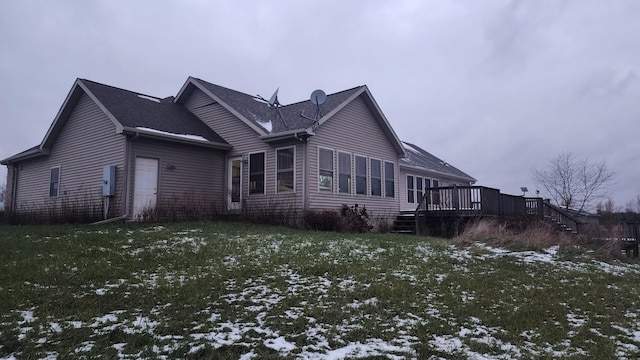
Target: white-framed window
361, 175
285, 165
410, 189
344, 173
389, 179
256, 173
419, 189
54, 182
376, 177
325, 169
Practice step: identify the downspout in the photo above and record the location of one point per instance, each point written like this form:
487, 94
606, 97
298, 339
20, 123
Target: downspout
14, 189
304, 170
125, 186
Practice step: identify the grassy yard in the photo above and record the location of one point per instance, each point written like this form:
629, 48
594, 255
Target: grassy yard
240, 291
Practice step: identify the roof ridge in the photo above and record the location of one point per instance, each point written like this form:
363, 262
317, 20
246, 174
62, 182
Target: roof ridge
332, 94
120, 89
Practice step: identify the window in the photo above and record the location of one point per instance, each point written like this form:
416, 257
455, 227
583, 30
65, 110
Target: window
361, 175
256, 173
325, 170
54, 182
285, 160
410, 189
419, 193
376, 178
389, 180
344, 173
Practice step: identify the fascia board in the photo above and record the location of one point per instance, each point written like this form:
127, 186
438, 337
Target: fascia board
385, 123
228, 107
31, 154
397, 144
67, 108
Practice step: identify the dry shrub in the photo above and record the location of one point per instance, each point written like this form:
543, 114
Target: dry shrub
535, 235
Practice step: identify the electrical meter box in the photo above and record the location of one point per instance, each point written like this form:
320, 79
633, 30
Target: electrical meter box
109, 181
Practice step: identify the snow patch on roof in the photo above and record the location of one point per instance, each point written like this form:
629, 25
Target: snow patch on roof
267, 125
146, 97
410, 148
183, 136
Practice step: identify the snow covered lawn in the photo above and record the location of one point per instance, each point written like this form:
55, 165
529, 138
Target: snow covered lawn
220, 290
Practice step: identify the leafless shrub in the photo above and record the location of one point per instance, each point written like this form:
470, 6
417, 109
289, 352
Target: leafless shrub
534, 236
383, 224
188, 206
270, 212
76, 209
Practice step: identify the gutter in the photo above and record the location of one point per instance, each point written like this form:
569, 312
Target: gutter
300, 134
175, 139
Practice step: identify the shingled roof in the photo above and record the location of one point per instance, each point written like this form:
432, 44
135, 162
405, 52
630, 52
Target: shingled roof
267, 118
418, 157
135, 110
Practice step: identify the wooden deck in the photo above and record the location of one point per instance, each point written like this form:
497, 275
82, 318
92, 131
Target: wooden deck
451, 206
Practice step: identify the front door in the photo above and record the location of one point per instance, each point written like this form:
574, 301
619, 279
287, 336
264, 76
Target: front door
234, 184
146, 186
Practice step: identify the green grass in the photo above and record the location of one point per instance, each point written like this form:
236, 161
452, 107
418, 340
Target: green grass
224, 290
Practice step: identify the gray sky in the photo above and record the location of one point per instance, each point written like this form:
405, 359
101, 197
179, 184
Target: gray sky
495, 88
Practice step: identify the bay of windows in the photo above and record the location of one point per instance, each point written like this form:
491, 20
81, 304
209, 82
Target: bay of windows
325, 170
344, 173
256, 173
285, 168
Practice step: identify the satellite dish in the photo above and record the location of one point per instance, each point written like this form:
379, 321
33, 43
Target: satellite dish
274, 98
318, 97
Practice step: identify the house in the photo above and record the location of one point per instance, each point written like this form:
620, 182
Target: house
124, 154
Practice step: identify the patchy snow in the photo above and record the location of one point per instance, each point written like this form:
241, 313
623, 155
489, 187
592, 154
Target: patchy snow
243, 309
150, 98
182, 136
267, 125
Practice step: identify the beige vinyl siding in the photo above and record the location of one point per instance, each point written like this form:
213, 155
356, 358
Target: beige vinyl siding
353, 129
245, 141
197, 176
85, 145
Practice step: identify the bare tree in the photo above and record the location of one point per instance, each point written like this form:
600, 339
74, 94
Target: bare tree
608, 206
3, 189
633, 205
574, 183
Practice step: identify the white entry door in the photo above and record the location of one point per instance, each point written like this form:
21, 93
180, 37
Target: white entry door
146, 186
234, 184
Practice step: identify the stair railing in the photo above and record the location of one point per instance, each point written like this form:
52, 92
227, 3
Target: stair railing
560, 216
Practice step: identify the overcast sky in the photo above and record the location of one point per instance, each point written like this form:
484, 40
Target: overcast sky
495, 88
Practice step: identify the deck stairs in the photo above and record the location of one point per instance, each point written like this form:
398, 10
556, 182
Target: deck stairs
405, 223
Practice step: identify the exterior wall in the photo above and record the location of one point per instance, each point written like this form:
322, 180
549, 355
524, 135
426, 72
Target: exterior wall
246, 141
354, 130
194, 180
85, 145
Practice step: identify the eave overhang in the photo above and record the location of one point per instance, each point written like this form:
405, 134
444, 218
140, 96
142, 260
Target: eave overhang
299, 134
449, 175
30, 154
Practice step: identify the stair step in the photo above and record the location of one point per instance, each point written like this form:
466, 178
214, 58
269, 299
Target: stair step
405, 223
